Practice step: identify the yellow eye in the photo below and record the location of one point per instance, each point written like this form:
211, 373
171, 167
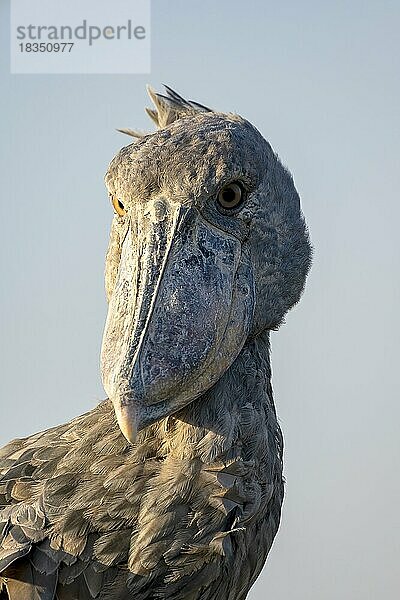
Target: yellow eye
118, 206
230, 196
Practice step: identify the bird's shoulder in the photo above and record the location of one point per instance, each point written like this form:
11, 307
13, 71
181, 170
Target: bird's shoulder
58, 521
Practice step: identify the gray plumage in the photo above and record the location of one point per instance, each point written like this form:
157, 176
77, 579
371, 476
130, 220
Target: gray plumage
173, 487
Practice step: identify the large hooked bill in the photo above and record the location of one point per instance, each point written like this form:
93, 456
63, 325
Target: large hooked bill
178, 316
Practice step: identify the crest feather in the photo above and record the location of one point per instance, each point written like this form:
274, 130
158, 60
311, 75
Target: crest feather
168, 107
132, 132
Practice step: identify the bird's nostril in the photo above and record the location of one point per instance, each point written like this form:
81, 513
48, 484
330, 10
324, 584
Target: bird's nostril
160, 210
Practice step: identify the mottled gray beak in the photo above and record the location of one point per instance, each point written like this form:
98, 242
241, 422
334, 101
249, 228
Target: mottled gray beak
179, 314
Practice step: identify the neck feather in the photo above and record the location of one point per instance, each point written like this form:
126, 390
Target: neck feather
234, 418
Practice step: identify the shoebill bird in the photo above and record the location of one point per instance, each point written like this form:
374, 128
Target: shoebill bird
172, 487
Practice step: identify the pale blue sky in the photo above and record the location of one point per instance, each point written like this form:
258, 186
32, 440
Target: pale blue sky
321, 82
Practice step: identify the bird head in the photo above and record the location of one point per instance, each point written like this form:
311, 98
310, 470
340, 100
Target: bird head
208, 248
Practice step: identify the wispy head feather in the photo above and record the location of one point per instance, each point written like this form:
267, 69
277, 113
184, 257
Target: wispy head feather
168, 107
